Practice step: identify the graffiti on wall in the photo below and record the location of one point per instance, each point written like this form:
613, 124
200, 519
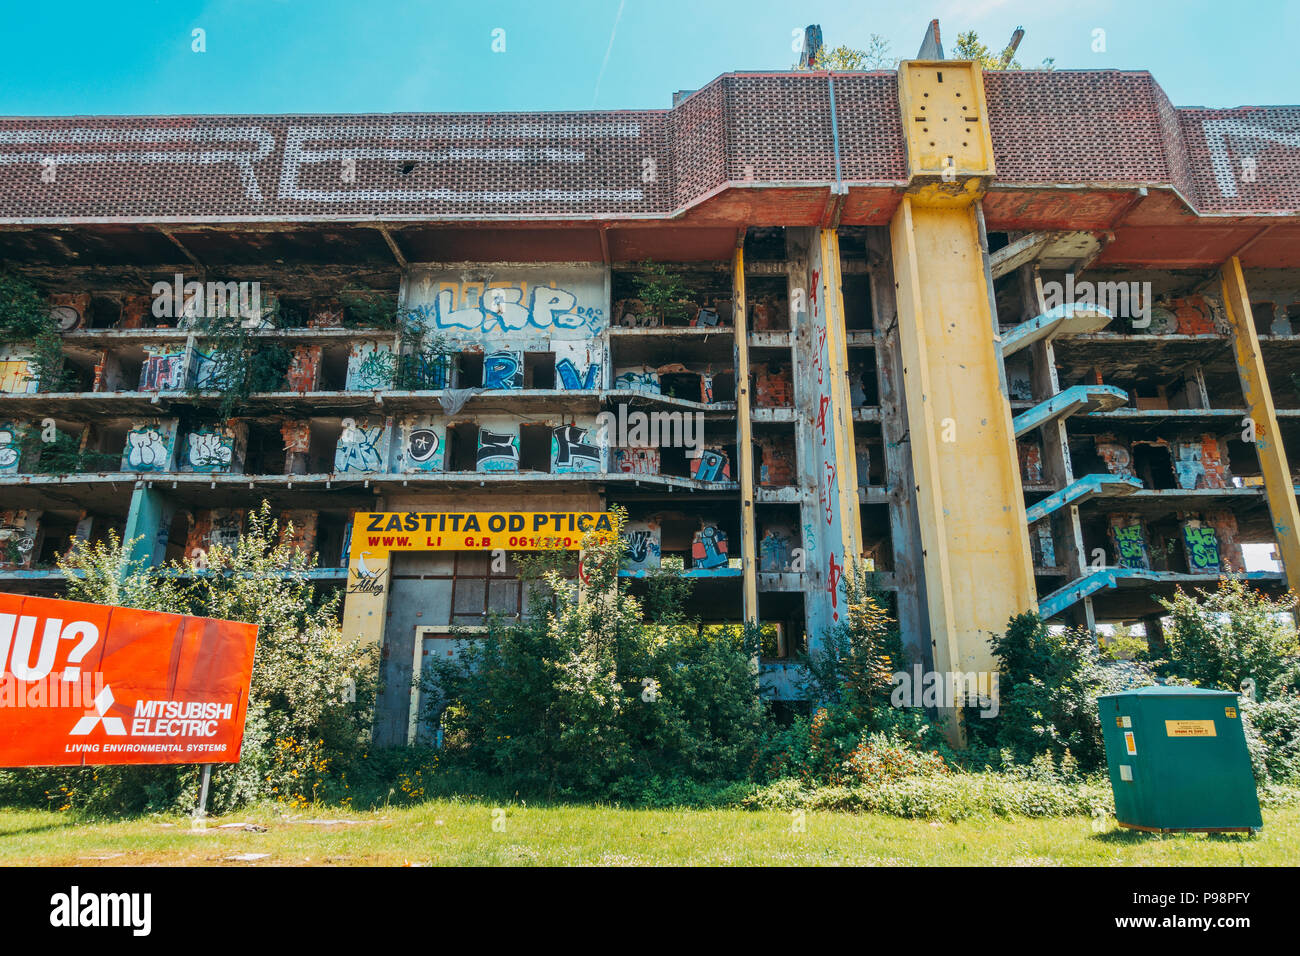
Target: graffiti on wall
641, 379
503, 369
359, 447
1131, 546
421, 447
643, 545
774, 550
637, 461
11, 439
1202, 548
497, 451
163, 369
149, 447
17, 375
569, 378
371, 366
572, 450
490, 308
712, 465
211, 449
18, 537
709, 548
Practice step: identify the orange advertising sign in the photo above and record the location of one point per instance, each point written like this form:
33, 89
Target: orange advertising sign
91, 684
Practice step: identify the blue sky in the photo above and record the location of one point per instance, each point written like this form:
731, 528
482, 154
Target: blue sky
356, 56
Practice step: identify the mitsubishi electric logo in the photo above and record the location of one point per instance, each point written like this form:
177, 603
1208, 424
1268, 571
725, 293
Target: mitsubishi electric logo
113, 726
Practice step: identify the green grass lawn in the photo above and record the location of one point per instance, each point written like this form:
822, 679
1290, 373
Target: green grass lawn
442, 832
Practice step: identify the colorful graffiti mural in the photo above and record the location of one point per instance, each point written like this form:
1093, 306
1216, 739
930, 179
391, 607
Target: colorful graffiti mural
18, 373
150, 446
641, 378
163, 369
489, 308
709, 548
503, 369
712, 465
497, 451
360, 447
643, 544
1202, 548
572, 450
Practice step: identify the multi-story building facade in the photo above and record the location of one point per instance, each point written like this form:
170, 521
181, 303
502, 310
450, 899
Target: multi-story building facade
1006, 340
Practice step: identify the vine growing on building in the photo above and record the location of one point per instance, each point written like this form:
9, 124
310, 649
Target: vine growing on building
25, 319
425, 360
64, 455
236, 361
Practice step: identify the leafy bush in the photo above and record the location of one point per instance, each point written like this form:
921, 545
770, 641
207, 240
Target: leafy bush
312, 692
582, 692
855, 733
25, 318
1049, 683
1231, 634
1273, 733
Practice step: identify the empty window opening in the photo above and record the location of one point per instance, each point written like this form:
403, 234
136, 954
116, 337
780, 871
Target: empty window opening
1154, 465
334, 368
462, 446
266, 452
535, 447
857, 303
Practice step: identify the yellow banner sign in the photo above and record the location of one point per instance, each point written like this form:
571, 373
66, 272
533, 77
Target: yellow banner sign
377, 532
1190, 728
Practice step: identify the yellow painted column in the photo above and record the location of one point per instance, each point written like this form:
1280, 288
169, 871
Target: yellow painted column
1260, 410
744, 436
365, 601
974, 536
845, 450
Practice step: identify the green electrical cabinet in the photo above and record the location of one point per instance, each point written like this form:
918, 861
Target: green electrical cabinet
1178, 760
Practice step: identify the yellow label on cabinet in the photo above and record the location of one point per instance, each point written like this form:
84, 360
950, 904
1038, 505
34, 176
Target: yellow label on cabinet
1130, 745
1230, 712
1190, 728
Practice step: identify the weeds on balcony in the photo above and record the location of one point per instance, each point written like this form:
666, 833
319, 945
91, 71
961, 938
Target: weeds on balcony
25, 319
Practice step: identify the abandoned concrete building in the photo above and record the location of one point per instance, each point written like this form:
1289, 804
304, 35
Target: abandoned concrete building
1004, 339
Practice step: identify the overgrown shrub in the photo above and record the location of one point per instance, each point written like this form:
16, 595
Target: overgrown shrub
312, 692
1048, 683
1220, 638
854, 732
582, 692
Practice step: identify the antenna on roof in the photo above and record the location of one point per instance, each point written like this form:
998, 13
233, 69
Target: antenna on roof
812, 47
1010, 51
931, 47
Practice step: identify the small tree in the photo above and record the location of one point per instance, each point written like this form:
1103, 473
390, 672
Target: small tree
583, 692
1234, 633
312, 692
